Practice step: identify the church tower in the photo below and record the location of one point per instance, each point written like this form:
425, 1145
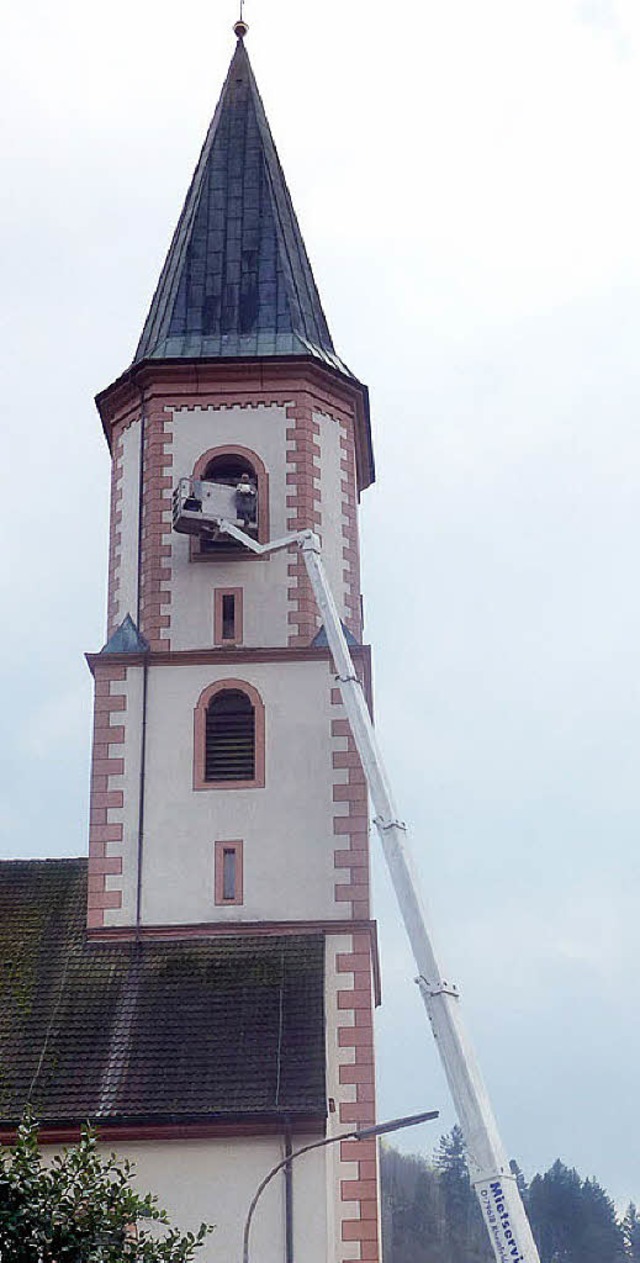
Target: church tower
229, 811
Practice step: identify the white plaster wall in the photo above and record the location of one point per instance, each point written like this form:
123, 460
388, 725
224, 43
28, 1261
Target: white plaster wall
128, 815
129, 506
213, 1181
287, 827
262, 429
331, 476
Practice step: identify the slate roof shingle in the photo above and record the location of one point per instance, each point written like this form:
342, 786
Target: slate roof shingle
237, 281
204, 1029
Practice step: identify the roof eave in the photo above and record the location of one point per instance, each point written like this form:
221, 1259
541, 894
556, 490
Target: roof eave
171, 1127
139, 374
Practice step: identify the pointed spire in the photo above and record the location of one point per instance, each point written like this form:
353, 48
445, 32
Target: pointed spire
237, 281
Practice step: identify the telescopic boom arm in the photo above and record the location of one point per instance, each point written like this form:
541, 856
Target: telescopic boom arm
491, 1176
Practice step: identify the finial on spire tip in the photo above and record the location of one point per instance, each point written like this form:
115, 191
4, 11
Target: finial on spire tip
241, 27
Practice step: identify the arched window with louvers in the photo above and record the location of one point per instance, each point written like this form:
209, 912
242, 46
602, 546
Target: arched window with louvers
229, 737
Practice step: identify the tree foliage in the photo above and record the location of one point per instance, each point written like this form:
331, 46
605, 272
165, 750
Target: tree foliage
574, 1220
465, 1233
80, 1208
430, 1214
631, 1233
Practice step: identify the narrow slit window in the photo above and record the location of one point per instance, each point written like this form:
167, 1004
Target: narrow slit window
230, 737
228, 617
228, 873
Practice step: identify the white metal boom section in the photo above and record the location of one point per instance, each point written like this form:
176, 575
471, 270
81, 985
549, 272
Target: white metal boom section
491, 1176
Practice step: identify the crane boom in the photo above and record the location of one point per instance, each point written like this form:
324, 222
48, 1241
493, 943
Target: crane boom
495, 1185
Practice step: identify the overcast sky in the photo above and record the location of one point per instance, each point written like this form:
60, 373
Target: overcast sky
466, 177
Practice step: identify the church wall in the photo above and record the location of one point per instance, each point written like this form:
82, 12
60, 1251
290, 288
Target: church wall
261, 429
213, 1181
290, 422
217, 1180
289, 862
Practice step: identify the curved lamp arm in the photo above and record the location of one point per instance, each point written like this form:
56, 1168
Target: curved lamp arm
362, 1133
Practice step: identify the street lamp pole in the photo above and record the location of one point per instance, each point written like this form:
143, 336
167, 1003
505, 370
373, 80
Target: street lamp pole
362, 1133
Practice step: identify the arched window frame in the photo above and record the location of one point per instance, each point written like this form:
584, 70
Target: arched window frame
200, 731
262, 483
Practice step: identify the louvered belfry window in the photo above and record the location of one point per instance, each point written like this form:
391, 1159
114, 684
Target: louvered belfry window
230, 738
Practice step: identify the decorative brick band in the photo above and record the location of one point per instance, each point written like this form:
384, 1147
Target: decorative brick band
115, 540
351, 549
303, 512
128, 416
106, 802
359, 1191
157, 483
351, 825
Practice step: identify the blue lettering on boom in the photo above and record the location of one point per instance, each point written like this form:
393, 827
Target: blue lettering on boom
504, 1219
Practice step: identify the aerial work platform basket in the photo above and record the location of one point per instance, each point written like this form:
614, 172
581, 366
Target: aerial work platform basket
196, 503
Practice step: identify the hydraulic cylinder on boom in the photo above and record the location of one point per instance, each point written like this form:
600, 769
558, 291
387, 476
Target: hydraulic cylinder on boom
201, 509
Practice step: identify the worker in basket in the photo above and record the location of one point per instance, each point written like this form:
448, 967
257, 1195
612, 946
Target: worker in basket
246, 501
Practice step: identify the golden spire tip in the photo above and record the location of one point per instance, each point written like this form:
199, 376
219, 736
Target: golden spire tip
241, 27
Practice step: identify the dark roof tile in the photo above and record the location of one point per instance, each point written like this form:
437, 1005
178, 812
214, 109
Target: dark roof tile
237, 227
207, 1028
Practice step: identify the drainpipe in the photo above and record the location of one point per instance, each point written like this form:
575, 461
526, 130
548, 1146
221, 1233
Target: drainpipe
141, 787
288, 1197
145, 672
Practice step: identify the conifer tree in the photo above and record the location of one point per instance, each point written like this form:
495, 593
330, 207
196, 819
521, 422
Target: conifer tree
574, 1220
555, 1212
411, 1218
601, 1239
631, 1234
465, 1233
435, 1219
523, 1187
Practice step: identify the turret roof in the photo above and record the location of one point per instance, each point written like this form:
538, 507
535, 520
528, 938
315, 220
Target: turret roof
237, 281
